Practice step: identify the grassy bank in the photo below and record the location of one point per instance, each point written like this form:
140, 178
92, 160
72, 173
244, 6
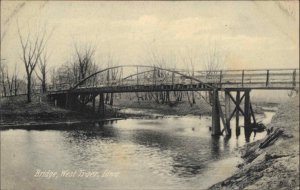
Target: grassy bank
16, 112
277, 165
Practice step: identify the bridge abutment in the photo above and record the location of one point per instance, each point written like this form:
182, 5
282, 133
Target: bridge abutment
101, 107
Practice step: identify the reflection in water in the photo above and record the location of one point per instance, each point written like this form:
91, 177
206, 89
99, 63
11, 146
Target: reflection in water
237, 131
247, 132
215, 147
166, 153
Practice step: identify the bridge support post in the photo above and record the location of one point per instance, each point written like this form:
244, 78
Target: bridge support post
247, 115
247, 119
227, 111
237, 115
101, 109
215, 128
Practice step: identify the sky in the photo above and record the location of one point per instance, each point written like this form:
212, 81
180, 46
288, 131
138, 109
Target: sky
247, 34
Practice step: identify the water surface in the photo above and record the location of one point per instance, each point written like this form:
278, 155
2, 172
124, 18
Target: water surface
166, 153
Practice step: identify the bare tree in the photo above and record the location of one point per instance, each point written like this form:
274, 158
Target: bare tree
189, 60
16, 82
158, 61
10, 83
42, 66
84, 60
214, 58
53, 76
2, 77
214, 62
111, 75
32, 48
8, 19
80, 66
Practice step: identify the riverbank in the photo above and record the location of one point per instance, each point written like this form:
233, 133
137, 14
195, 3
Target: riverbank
271, 163
16, 113
16, 109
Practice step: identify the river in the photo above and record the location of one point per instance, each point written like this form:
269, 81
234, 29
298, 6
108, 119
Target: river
166, 152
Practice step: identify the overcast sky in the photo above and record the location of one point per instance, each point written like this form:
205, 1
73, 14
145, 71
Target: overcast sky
249, 34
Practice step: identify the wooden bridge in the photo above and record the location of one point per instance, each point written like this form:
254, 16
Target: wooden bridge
139, 78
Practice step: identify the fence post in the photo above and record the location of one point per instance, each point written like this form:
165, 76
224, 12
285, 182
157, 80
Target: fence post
220, 78
154, 76
267, 81
243, 78
137, 75
294, 78
172, 78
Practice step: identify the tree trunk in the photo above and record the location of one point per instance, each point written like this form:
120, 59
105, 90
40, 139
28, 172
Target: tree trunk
16, 86
4, 88
28, 89
44, 89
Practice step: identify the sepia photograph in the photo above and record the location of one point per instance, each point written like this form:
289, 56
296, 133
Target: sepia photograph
149, 95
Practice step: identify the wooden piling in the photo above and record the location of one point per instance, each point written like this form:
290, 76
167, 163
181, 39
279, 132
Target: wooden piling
237, 114
101, 109
215, 128
247, 111
227, 111
247, 115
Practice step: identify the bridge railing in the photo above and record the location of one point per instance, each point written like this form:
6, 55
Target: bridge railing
243, 78
219, 78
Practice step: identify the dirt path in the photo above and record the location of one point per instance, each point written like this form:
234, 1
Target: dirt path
277, 165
